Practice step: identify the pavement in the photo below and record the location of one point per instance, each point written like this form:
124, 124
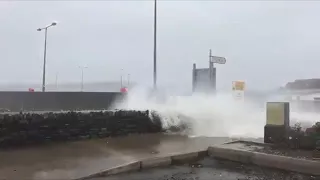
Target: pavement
71, 160
210, 169
269, 149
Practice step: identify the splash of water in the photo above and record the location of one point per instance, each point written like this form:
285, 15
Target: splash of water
211, 116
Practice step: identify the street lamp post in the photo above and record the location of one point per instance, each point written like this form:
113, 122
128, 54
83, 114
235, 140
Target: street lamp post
82, 68
155, 46
121, 79
57, 81
45, 54
128, 80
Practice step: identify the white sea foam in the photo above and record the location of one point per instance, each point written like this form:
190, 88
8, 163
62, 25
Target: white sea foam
211, 116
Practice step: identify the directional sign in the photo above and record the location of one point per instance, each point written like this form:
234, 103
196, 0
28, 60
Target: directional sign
218, 60
238, 90
238, 85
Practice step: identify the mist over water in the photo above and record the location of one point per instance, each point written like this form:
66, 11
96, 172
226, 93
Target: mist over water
207, 115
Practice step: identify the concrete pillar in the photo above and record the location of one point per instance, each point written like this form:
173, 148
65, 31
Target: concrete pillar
278, 122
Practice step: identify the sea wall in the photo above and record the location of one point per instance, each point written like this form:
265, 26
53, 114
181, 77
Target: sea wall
31, 128
56, 101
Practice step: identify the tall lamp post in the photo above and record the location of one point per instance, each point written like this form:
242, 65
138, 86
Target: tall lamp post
45, 54
121, 79
57, 81
155, 47
128, 80
82, 68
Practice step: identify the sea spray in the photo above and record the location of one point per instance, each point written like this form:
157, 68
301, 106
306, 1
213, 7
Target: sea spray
217, 115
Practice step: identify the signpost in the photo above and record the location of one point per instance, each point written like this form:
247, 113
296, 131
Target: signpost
238, 88
212, 70
238, 85
205, 80
218, 60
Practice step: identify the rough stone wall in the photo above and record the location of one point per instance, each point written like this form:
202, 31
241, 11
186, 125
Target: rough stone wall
26, 128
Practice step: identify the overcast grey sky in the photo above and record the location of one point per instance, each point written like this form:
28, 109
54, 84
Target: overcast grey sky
265, 43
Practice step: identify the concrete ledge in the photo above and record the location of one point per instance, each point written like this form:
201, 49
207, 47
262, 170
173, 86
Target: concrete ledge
287, 163
230, 154
252, 143
266, 160
134, 166
247, 157
202, 154
149, 163
155, 162
184, 158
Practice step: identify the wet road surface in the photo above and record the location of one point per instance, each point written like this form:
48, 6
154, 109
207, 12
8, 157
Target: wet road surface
211, 169
77, 159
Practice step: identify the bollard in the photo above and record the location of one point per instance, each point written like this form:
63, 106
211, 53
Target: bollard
277, 124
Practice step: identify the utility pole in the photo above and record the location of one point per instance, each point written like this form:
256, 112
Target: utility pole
82, 68
155, 47
57, 81
121, 79
128, 80
44, 61
45, 54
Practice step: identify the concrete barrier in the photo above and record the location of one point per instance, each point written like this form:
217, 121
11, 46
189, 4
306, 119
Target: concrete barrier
185, 158
149, 163
266, 160
135, 166
155, 162
286, 163
260, 159
252, 143
202, 154
230, 154
129, 167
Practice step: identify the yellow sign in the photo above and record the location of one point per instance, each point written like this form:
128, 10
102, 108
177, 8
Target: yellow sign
275, 113
238, 85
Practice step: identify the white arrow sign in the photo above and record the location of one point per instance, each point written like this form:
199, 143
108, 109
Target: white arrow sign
218, 60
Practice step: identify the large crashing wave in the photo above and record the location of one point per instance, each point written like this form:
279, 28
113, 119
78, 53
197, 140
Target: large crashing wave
205, 115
